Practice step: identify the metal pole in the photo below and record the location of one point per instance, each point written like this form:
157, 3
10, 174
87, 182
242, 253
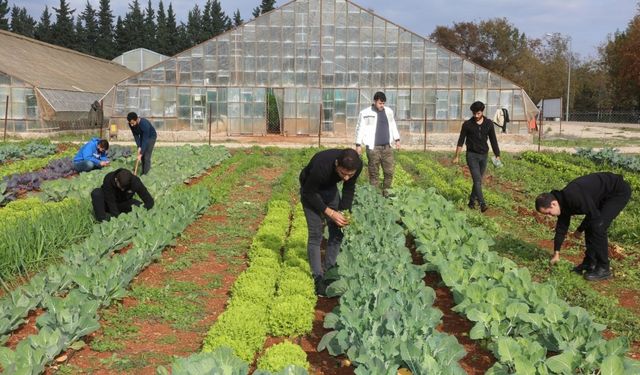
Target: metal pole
6, 113
425, 129
209, 108
561, 114
320, 127
540, 125
568, 78
101, 122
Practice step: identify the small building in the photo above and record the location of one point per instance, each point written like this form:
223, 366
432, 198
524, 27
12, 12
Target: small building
50, 88
139, 59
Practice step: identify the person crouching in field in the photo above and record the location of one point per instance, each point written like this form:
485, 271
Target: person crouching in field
599, 196
116, 195
92, 155
321, 201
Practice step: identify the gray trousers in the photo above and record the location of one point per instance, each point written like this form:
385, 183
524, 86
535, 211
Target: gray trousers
315, 227
377, 156
477, 165
146, 157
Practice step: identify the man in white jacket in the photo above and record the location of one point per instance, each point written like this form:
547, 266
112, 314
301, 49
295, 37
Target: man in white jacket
377, 131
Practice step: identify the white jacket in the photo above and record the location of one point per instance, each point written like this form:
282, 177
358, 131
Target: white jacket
366, 127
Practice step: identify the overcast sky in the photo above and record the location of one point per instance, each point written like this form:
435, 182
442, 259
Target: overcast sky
587, 22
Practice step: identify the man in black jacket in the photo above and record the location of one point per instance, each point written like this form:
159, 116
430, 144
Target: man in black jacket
599, 196
116, 194
474, 133
321, 200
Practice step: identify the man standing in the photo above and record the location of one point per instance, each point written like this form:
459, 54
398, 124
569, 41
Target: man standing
599, 196
321, 200
116, 194
92, 155
377, 130
475, 132
145, 136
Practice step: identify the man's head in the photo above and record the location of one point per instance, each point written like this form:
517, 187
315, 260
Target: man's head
379, 99
123, 179
103, 145
348, 163
477, 108
546, 203
132, 119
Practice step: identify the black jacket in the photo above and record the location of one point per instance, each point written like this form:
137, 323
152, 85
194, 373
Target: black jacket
320, 175
113, 195
476, 136
584, 196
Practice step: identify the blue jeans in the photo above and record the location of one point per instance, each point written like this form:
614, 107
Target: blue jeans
477, 165
315, 226
85, 166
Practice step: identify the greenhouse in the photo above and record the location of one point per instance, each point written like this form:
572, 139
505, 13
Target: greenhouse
308, 68
139, 59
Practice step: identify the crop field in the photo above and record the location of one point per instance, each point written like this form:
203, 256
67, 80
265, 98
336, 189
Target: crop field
215, 280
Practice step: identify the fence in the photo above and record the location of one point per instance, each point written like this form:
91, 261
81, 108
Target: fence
622, 117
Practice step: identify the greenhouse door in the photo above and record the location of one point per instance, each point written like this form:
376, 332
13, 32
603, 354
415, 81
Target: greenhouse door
274, 102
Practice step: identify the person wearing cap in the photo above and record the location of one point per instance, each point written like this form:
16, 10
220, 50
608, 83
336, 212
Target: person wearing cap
475, 132
145, 136
600, 197
115, 196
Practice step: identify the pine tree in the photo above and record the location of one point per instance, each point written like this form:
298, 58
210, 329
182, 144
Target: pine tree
63, 30
162, 34
21, 22
149, 35
120, 37
105, 45
88, 40
267, 6
4, 10
220, 21
193, 30
256, 12
207, 22
79, 35
173, 36
237, 20
44, 30
134, 27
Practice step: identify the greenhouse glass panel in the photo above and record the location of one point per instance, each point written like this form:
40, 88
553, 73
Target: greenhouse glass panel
443, 69
32, 104
518, 106
469, 70
442, 104
506, 97
455, 79
403, 105
454, 104
492, 103
482, 78
417, 104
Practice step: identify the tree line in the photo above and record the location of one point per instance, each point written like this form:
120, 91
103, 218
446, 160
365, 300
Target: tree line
97, 32
611, 81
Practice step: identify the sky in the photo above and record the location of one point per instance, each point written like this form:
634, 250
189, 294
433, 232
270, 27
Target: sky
586, 22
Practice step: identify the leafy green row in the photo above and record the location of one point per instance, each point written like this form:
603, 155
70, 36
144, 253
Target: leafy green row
25, 150
531, 329
68, 318
28, 165
612, 157
385, 320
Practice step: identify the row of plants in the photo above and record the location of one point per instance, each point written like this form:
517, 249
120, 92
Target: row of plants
527, 326
24, 150
33, 164
38, 236
92, 285
386, 320
611, 156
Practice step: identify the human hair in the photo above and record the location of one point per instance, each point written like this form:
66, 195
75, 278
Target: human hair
132, 116
380, 96
477, 107
124, 177
104, 144
349, 159
544, 201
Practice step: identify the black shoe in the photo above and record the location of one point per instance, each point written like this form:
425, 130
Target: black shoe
471, 205
598, 274
582, 267
483, 207
321, 287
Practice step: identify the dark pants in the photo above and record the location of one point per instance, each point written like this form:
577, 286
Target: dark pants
85, 166
477, 165
100, 208
377, 156
315, 226
596, 238
146, 156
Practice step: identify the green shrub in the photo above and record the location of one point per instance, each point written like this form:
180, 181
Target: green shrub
280, 356
291, 315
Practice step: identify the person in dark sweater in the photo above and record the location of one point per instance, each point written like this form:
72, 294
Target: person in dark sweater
116, 195
598, 196
145, 136
474, 133
321, 200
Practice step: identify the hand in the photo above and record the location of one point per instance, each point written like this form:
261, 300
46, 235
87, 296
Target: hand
555, 258
577, 235
359, 150
139, 157
455, 159
338, 218
398, 145
104, 163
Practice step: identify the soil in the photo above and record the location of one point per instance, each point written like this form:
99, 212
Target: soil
183, 342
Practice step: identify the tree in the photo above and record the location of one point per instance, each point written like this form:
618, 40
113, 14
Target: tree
149, 35
194, 28
88, 36
256, 12
237, 20
105, 45
4, 10
465, 39
267, 6
173, 39
44, 30
220, 21
162, 34
63, 29
133, 27
21, 22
